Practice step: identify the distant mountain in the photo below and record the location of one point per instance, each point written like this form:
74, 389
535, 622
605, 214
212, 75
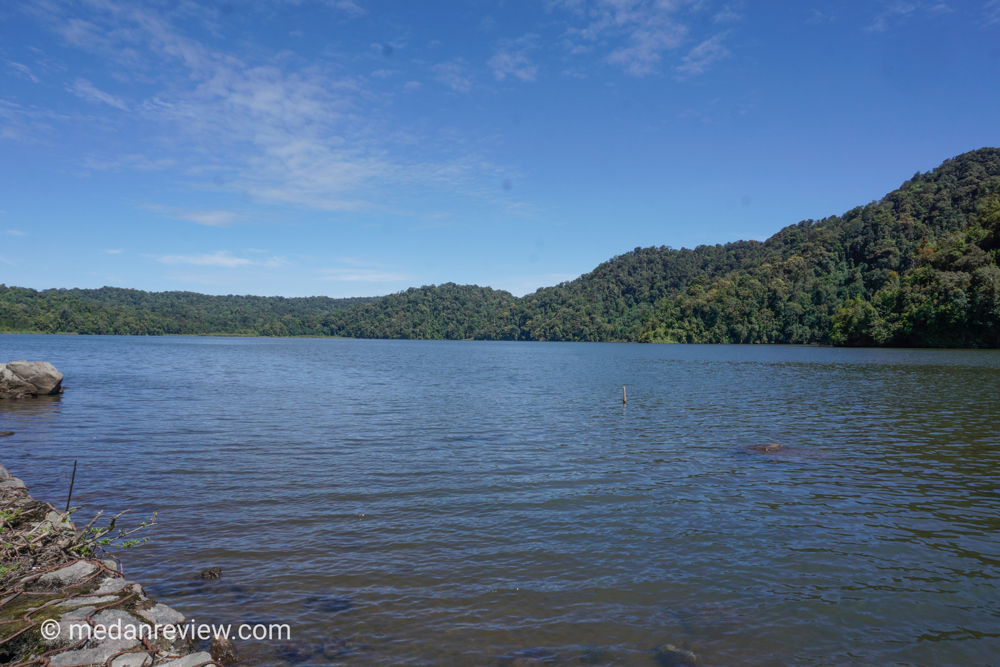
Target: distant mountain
917, 268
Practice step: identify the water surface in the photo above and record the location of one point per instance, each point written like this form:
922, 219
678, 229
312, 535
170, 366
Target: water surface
460, 503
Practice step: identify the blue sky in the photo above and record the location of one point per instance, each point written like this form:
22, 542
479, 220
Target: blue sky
350, 148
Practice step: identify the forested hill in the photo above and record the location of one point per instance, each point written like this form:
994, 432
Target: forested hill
111, 310
917, 268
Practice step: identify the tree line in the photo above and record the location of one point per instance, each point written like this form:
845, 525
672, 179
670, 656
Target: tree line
917, 268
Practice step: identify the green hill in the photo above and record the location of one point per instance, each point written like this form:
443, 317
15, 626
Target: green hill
917, 268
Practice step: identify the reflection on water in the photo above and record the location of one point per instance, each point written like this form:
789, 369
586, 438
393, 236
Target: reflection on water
404, 502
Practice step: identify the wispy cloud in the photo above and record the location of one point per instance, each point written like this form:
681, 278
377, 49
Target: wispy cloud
87, 91
703, 56
115, 251
209, 218
992, 12
649, 28
892, 11
364, 275
453, 74
512, 59
221, 259
23, 71
15, 232
306, 136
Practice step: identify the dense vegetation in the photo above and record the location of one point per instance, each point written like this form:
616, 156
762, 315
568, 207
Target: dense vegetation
110, 310
917, 268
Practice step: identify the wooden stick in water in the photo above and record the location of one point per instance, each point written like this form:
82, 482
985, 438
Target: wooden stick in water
624, 399
71, 481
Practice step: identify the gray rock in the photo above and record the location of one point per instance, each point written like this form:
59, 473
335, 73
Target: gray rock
82, 656
188, 660
77, 614
4, 474
120, 627
112, 585
67, 635
132, 660
43, 375
12, 386
669, 655
70, 574
110, 564
88, 600
59, 521
161, 614
12, 483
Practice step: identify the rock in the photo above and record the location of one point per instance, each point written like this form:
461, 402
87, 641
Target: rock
140, 659
43, 375
671, 656
83, 656
60, 521
222, 649
110, 564
768, 448
122, 629
88, 600
211, 573
112, 585
188, 660
4, 474
529, 658
161, 614
12, 483
4, 434
70, 574
13, 387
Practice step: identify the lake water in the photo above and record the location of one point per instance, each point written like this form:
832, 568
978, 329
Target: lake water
466, 503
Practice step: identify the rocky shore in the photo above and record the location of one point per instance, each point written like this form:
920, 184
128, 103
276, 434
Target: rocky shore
63, 606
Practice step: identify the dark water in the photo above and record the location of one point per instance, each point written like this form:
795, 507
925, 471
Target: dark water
441, 503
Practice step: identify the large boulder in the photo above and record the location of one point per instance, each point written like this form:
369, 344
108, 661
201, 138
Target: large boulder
12, 386
41, 374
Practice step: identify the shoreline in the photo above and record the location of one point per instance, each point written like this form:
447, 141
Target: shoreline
62, 605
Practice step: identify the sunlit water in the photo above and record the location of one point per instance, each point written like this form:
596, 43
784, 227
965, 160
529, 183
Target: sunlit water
459, 503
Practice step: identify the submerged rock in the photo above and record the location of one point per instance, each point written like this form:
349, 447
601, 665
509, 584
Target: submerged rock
222, 649
669, 655
768, 448
529, 658
211, 573
4, 434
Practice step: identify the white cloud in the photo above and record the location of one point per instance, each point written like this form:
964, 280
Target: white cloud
222, 259
412, 86
649, 28
87, 91
701, 57
306, 136
728, 13
131, 162
15, 232
512, 59
452, 74
364, 275
115, 251
992, 12
893, 10
209, 218
23, 71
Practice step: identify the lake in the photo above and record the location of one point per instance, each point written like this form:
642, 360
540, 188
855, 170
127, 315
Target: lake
490, 503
